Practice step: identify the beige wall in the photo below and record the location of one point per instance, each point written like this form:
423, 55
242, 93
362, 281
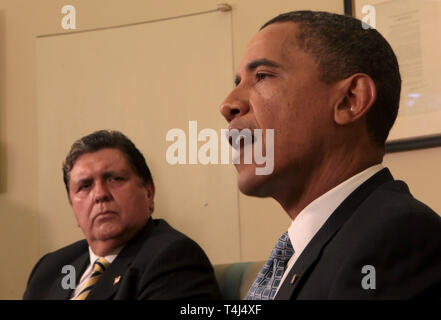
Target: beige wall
149, 91
258, 222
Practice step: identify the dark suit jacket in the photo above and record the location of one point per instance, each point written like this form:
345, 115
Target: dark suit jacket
380, 224
158, 263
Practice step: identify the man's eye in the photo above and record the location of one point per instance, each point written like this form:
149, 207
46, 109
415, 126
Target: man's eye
261, 76
116, 179
84, 186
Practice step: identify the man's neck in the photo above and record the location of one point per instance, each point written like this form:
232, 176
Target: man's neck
298, 192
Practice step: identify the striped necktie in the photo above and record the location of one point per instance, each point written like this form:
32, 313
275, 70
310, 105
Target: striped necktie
99, 267
268, 280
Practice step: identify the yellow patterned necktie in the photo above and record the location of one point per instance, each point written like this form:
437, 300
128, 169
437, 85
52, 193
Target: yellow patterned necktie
99, 267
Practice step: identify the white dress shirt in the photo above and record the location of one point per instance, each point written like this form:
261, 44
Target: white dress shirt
86, 275
313, 217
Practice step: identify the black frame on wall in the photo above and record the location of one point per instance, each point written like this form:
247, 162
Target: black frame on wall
407, 144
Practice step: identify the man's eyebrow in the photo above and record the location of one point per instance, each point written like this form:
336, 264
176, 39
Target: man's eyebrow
111, 173
256, 63
262, 62
104, 175
83, 181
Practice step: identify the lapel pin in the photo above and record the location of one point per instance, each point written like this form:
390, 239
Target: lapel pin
293, 278
116, 280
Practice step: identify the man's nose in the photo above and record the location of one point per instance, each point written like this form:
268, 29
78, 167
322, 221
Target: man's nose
234, 106
102, 192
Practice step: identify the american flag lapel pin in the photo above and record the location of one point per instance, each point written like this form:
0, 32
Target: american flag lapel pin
116, 280
293, 278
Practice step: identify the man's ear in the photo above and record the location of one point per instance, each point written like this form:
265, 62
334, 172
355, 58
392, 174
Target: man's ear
359, 94
150, 192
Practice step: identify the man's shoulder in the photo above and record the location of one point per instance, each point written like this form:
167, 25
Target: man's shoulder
160, 241
393, 201
161, 256
391, 216
161, 235
49, 268
65, 254
74, 247
396, 234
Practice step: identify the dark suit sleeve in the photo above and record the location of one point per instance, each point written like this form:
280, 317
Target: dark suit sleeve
180, 271
406, 255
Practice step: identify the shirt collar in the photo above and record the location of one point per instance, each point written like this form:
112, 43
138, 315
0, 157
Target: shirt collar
313, 217
109, 257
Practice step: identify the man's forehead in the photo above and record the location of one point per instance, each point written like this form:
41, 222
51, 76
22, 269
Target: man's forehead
100, 160
274, 42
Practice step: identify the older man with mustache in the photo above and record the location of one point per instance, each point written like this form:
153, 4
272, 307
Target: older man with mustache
126, 254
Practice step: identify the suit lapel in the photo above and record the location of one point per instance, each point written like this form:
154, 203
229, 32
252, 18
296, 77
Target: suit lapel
299, 272
110, 281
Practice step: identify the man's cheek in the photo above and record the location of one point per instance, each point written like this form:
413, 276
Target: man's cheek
77, 215
82, 216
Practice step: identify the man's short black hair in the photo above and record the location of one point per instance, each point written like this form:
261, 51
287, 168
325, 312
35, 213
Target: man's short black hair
343, 46
107, 139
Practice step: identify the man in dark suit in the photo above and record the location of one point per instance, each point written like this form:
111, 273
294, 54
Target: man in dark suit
329, 87
126, 254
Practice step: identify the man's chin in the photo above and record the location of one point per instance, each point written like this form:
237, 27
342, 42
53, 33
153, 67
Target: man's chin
107, 231
251, 184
